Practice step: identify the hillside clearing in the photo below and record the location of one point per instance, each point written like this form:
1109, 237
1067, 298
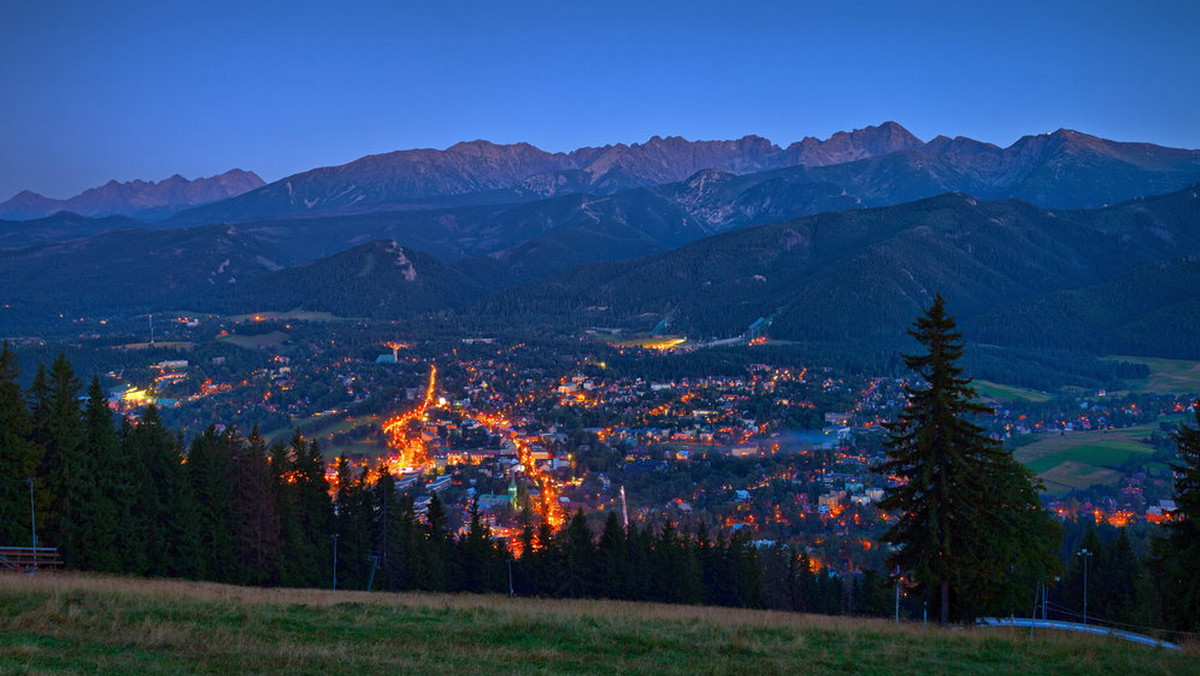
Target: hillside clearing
998, 392
1167, 376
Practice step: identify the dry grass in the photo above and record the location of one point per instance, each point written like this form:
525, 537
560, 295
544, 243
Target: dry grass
57, 624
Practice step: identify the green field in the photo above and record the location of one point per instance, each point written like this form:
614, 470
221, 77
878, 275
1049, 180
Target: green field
1167, 376
99, 625
1081, 459
998, 392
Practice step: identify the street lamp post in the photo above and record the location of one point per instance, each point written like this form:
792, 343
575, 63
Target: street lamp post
335, 537
32, 521
1085, 555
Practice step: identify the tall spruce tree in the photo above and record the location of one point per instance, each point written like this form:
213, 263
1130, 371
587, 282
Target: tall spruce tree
969, 525
255, 522
352, 522
1177, 555
161, 538
18, 455
58, 427
107, 485
210, 473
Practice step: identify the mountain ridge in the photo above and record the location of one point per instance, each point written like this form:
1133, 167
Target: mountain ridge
877, 165
144, 200
424, 174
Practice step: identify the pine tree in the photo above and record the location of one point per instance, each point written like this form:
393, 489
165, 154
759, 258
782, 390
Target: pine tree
1121, 575
436, 565
969, 524
161, 538
1177, 555
612, 560
382, 498
255, 520
210, 473
106, 484
579, 555
481, 564
18, 455
58, 427
305, 514
352, 514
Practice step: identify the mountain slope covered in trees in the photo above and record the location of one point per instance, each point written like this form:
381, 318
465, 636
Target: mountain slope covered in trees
855, 277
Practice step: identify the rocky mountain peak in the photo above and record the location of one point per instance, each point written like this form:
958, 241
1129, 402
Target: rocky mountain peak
137, 198
849, 146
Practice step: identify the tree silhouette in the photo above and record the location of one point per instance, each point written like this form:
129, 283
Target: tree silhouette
1177, 555
969, 524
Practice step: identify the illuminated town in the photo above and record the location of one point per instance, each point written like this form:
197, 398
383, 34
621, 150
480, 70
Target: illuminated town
776, 451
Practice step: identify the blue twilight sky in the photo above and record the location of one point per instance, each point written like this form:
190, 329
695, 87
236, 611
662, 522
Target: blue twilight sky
123, 89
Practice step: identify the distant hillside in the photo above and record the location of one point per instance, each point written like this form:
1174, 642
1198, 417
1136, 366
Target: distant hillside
129, 270
145, 200
1152, 309
1120, 279
61, 227
859, 277
378, 279
527, 240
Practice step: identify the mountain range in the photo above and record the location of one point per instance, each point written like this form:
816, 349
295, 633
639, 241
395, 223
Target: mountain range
145, 200
1061, 241
877, 165
481, 171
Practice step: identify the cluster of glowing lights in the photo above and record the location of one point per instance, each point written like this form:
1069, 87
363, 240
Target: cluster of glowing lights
410, 447
411, 454
137, 397
547, 504
664, 345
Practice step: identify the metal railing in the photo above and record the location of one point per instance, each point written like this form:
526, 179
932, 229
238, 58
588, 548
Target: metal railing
1075, 626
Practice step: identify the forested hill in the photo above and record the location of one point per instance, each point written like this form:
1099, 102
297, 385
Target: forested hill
856, 277
1112, 279
379, 279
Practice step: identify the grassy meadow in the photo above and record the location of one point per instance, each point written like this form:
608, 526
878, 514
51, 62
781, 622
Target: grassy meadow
999, 392
1079, 459
73, 624
1167, 376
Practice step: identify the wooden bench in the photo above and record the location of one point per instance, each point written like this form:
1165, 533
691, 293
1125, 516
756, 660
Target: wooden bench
29, 559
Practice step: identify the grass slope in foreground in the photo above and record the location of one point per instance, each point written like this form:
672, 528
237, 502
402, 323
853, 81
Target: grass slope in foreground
84, 624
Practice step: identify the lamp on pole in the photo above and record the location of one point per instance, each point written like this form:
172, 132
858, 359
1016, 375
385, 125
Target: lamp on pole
32, 523
335, 537
899, 580
510, 579
32, 514
1085, 555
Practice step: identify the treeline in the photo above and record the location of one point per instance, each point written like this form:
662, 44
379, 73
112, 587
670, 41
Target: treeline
115, 496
